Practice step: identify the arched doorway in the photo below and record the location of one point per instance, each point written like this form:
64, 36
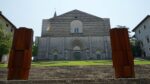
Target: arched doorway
98, 54
55, 54
77, 53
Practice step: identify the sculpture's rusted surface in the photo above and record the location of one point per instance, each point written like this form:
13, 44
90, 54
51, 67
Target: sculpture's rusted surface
20, 54
121, 53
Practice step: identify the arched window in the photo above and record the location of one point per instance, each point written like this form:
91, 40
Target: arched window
76, 26
76, 30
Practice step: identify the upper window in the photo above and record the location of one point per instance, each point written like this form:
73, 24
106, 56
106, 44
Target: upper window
11, 29
7, 25
141, 43
147, 38
76, 30
139, 31
76, 26
144, 26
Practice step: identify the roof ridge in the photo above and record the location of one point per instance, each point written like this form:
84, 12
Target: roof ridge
140, 22
7, 20
77, 11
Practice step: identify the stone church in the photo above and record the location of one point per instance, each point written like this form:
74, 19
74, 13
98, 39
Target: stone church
74, 35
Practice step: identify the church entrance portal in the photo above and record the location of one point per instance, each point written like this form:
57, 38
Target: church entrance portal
77, 55
98, 56
55, 57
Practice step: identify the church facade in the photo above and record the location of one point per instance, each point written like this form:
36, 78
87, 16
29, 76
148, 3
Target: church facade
74, 35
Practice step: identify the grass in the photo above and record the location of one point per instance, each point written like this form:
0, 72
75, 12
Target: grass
141, 61
78, 63
72, 63
3, 65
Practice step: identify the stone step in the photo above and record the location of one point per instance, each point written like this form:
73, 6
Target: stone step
101, 72
79, 81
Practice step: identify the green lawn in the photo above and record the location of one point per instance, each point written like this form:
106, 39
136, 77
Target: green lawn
79, 63
141, 61
3, 65
73, 63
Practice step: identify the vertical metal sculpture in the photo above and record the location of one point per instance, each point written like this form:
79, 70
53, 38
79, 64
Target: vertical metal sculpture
121, 53
20, 54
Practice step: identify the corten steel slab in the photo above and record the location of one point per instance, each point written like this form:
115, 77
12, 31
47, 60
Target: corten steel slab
20, 54
121, 53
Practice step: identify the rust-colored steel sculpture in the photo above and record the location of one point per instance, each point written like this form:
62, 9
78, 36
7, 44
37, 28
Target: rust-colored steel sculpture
20, 54
121, 53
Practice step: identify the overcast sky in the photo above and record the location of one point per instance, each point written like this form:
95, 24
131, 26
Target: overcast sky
29, 13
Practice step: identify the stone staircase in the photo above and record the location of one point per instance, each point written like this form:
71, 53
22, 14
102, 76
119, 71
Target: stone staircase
79, 75
79, 81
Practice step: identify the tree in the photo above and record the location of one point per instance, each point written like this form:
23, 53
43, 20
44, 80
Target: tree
34, 49
5, 42
135, 46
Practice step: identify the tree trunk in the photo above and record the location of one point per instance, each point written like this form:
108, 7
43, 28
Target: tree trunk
1, 58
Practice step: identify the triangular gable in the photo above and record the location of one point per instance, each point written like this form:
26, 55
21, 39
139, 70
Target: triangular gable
76, 12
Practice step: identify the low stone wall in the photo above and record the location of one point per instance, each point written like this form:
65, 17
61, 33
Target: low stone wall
79, 81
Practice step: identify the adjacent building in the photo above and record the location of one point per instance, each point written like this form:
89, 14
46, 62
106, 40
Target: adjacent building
8, 28
6, 24
142, 34
75, 35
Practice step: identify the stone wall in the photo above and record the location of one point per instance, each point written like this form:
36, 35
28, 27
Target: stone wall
61, 34
63, 47
60, 25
